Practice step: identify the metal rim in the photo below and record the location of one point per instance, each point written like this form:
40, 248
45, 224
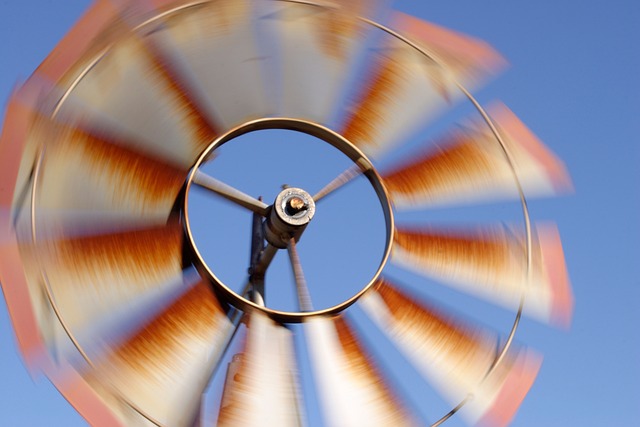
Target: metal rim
339, 142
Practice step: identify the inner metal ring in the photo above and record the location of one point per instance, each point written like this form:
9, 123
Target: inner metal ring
344, 146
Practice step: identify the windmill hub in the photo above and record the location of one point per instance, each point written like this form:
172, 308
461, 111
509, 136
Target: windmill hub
292, 210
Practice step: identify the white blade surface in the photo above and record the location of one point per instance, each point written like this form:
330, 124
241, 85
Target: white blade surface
490, 262
455, 359
351, 390
469, 165
262, 388
407, 90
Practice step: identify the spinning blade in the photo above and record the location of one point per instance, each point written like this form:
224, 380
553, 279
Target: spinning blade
352, 391
491, 262
456, 359
161, 371
262, 388
407, 89
469, 165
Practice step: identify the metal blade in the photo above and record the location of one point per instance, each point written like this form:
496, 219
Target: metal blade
160, 372
90, 278
89, 171
318, 45
261, 386
135, 88
407, 89
218, 43
491, 263
455, 359
351, 390
470, 165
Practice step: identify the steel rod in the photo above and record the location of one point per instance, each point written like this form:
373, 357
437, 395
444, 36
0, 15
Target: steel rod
230, 193
345, 177
304, 299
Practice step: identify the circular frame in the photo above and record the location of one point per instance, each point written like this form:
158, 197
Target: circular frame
344, 146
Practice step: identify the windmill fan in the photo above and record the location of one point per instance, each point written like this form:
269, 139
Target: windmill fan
165, 146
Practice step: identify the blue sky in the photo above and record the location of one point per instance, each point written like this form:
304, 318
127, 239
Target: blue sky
573, 80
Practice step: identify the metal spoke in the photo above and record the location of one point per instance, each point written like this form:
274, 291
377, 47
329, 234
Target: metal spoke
230, 193
304, 300
345, 177
265, 259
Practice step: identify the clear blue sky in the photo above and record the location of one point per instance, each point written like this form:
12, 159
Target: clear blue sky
574, 81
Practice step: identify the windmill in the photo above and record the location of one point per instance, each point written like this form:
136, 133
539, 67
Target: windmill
120, 136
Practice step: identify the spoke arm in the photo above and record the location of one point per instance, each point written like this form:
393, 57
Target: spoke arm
265, 259
345, 177
230, 193
304, 300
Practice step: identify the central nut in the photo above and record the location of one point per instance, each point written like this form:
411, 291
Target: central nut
295, 205
290, 214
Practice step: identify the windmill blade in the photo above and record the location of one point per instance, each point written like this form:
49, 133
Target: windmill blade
92, 277
217, 43
470, 165
408, 90
261, 387
491, 263
318, 45
162, 370
351, 390
108, 177
455, 359
135, 89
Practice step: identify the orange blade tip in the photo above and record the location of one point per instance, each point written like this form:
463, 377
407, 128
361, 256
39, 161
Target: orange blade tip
554, 261
77, 41
509, 123
513, 391
478, 52
85, 400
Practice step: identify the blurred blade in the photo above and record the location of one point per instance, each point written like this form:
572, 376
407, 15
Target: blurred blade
91, 171
261, 387
318, 46
16, 165
351, 390
407, 90
470, 165
93, 277
127, 82
163, 369
217, 43
455, 359
491, 262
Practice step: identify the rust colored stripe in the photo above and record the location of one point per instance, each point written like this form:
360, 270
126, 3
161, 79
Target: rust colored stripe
134, 175
205, 130
337, 29
461, 346
138, 254
359, 363
456, 163
369, 114
151, 351
484, 250
363, 367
